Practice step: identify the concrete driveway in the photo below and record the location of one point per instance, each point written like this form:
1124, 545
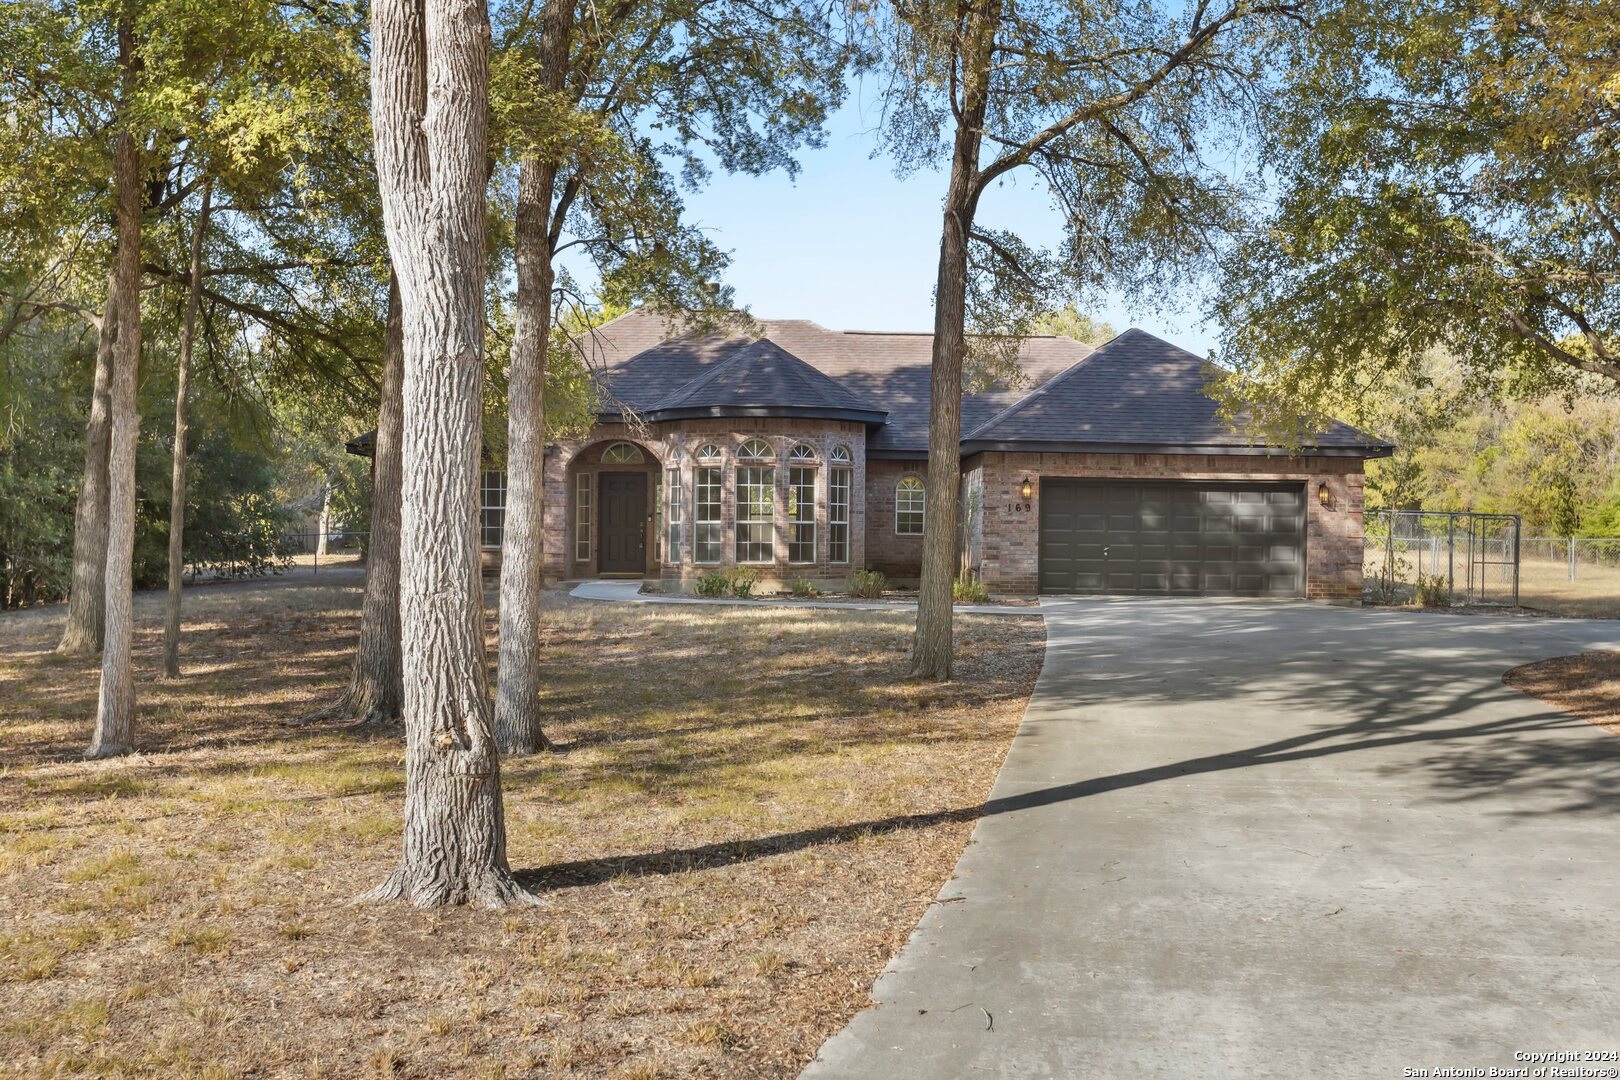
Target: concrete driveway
1250, 839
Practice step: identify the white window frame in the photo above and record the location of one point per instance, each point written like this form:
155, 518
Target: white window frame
492, 500
708, 532
754, 478
915, 493
584, 500
623, 453
800, 516
672, 516
839, 476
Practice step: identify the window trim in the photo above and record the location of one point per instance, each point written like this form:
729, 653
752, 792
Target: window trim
709, 452
763, 452
847, 474
910, 484
841, 456
673, 515
485, 506
795, 494
584, 508
636, 458
766, 483
719, 504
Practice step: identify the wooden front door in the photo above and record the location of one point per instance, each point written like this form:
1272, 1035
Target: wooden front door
624, 523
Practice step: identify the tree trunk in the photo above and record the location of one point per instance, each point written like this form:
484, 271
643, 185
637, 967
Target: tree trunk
376, 694
933, 649
115, 709
324, 522
87, 596
177, 481
517, 692
430, 90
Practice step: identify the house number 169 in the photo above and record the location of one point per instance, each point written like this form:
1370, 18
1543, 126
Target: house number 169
1019, 507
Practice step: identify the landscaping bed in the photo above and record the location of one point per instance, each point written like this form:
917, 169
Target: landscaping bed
1586, 685
749, 811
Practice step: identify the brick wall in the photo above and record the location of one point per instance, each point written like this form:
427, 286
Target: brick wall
898, 557
1007, 540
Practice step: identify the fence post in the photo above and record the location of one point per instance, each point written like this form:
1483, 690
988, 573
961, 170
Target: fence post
1571, 544
1518, 535
1451, 558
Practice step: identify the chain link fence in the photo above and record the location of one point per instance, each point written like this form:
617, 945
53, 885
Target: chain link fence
343, 547
1441, 559
1575, 552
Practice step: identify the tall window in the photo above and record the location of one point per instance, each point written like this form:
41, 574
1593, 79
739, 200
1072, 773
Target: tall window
802, 514
706, 483
672, 487
840, 481
908, 507
582, 517
492, 508
756, 503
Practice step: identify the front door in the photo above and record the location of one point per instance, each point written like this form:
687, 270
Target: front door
624, 523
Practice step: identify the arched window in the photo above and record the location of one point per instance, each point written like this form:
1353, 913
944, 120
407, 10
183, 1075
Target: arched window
622, 453
802, 455
708, 452
840, 455
908, 507
801, 504
756, 450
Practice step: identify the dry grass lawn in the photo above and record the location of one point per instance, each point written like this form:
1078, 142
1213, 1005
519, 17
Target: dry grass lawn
1586, 685
1594, 594
749, 812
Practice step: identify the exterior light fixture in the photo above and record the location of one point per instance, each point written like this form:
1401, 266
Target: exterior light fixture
1323, 495
1028, 490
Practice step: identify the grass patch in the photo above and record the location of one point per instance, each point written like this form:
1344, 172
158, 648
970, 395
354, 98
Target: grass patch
747, 813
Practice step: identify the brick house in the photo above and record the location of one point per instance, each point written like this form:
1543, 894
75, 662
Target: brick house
803, 451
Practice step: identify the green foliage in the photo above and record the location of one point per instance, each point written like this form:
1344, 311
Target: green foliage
1431, 591
712, 585
741, 580
804, 589
1447, 175
868, 584
1068, 321
968, 589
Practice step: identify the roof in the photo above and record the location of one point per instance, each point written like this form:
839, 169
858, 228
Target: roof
1139, 391
761, 378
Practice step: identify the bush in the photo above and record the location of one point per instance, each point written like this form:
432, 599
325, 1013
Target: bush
1432, 591
805, 589
968, 589
869, 584
713, 584
742, 581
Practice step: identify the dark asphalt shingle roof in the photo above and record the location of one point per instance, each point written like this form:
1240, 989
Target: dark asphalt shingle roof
1137, 390
1134, 391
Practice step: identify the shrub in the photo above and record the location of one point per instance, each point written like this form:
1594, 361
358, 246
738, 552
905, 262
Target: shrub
742, 581
1432, 591
869, 584
968, 589
805, 589
713, 584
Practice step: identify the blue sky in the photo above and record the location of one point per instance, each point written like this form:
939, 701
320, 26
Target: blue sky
852, 247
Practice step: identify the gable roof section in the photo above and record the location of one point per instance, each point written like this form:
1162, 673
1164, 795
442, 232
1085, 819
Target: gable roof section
760, 378
1139, 392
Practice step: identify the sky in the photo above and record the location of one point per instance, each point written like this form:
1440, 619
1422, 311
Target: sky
850, 246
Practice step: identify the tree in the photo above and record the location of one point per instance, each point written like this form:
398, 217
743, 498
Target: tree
579, 98
115, 706
1447, 184
1070, 322
86, 615
430, 94
177, 485
1108, 108
376, 693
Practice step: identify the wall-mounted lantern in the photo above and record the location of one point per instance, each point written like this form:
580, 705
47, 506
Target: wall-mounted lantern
1324, 495
1028, 490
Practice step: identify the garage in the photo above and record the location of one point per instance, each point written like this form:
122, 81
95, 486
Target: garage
1172, 538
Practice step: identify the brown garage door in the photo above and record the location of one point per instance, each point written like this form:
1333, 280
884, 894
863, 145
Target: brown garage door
1172, 539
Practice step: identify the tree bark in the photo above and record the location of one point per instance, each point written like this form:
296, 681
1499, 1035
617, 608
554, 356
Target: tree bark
517, 692
177, 480
376, 693
934, 647
115, 708
87, 595
430, 89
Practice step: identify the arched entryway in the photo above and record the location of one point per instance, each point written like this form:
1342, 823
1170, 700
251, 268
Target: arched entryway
613, 487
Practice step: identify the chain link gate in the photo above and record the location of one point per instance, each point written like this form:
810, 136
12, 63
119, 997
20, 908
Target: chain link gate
1442, 558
